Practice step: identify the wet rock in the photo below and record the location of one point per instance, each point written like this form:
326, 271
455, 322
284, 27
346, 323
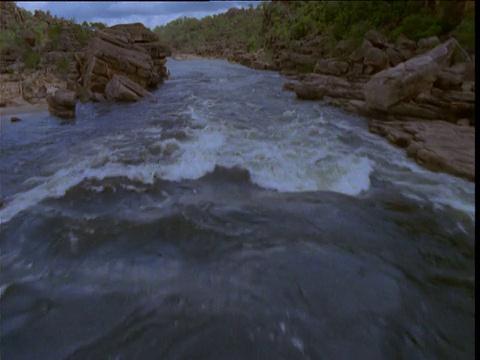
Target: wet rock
62, 103
308, 91
15, 119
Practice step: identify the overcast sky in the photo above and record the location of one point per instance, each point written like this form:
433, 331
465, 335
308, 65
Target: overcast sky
117, 12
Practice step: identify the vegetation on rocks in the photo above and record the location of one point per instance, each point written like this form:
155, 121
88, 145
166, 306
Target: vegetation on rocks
276, 22
237, 28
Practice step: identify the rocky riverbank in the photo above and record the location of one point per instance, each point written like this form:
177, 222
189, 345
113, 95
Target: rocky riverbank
419, 96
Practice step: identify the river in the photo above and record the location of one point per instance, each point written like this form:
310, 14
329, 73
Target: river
228, 220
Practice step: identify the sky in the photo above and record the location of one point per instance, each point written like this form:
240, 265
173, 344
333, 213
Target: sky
149, 13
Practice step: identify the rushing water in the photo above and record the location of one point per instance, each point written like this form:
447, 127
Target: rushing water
229, 220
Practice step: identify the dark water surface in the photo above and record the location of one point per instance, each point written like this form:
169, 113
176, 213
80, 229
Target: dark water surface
228, 221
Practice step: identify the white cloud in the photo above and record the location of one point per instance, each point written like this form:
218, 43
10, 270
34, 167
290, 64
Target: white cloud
150, 13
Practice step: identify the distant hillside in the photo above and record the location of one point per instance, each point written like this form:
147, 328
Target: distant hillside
285, 24
236, 29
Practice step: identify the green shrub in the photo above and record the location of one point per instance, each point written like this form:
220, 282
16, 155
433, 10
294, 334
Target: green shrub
63, 66
465, 32
419, 26
31, 59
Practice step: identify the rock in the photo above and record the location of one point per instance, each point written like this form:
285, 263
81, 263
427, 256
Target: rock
463, 122
121, 88
377, 39
359, 54
405, 43
331, 67
27, 36
394, 56
356, 69
290, 85
129, 50
14, 119
335, 87
62, 103
436, 145
427, 44
376, 58
408, 79
308, 91
29, 92
448, 80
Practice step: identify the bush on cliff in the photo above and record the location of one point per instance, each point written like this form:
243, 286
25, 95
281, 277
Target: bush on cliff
31, 59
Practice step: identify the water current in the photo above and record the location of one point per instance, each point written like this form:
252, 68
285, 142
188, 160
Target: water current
228, 220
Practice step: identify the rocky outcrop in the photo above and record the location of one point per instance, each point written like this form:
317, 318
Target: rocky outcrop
408, 79
424, 104
254, 60
62, 103
123, 51
436, 145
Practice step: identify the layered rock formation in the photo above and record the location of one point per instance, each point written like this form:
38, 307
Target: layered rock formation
129, 51
421, 91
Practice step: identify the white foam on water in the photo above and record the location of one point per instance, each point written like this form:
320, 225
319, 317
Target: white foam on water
196, 158
64, 179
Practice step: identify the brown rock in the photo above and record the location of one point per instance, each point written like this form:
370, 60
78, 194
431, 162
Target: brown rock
121, 88
436, 145
394, 56
27, 36
331, 67
427, 44
405, 43
62, 103
377, 39
448, 80
408, 79
376, 58
359, 54
309, 91
128, 50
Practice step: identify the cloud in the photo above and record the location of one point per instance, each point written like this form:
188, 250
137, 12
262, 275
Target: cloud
116, 12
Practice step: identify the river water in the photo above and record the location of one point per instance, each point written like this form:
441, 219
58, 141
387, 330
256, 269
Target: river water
229, 220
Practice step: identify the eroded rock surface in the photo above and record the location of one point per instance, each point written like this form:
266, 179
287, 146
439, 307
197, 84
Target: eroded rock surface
436, 145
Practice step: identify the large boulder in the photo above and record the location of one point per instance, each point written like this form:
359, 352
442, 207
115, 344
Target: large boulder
128, 50
408, 79
62, 103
